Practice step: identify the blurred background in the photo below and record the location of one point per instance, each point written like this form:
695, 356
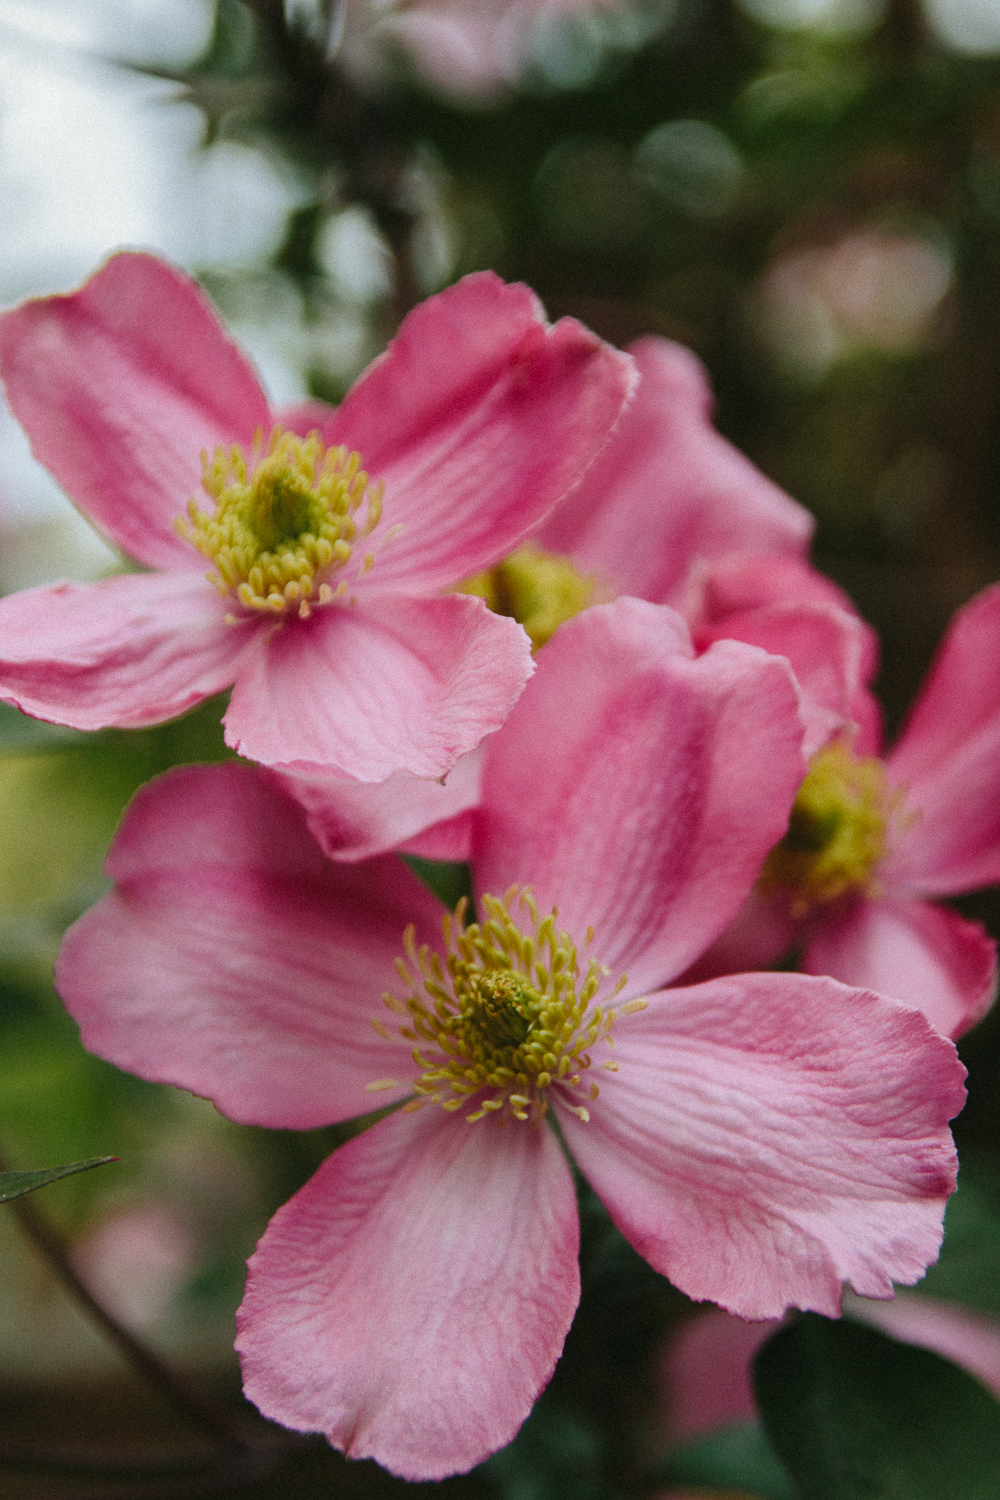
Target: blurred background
805, 192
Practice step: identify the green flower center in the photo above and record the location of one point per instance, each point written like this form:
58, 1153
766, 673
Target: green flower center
540, 590
506, 1015
836, 834
283, 525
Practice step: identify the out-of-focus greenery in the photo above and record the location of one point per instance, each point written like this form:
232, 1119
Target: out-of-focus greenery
815, 212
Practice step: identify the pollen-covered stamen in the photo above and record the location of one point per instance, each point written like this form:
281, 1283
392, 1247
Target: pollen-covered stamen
836, 834
540, 590
506, 1015
284, 524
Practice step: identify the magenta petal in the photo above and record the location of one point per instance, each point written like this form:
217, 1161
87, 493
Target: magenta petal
947, 762
353, 821
412, 1299
669, 492
639, 790
388, 684
232, 960
119, 386
128, 651
826, 648
479, 418
923, 955
751, 1152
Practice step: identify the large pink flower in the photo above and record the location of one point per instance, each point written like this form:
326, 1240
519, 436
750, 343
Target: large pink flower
871, 840
411, 1300
322, 602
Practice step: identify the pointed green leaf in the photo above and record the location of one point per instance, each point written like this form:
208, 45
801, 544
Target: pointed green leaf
855, 1415
16, 1184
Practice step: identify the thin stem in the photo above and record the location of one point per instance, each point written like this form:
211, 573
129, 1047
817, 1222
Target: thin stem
204, 1413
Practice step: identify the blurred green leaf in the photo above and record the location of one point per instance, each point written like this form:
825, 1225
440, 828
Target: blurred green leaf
968, 1270
734, 1458
557, 1455
19, 733
449, 882
855, 1415
16, 1184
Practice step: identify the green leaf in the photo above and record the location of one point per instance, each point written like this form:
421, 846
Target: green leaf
734, 1458
448, 881
968, 1270
18, 732
16, 1184
855, 1415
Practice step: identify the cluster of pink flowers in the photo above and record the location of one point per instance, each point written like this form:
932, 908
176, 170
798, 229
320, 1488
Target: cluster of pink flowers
514, 602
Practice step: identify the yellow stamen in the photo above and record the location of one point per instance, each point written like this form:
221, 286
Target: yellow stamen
282, 527
836, 834
506, 1015
540, 590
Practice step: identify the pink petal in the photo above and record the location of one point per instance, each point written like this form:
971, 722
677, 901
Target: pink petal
669, 493
354, 821
479, 418
923, 955
448, 841
826, 648
948, 762
232, 960
705, 1373
639, 790
128, 651
120, 386
751, 1152
969, 1339
412, 1299
759, 934
385, 685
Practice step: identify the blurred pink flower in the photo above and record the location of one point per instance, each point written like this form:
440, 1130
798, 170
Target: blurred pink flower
411, 1300
870, 840
476, 420
705, 1370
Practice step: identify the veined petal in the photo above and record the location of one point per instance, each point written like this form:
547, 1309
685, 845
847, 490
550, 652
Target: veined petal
669, 492
130, 650
826, 647
947, 761
352, 820
479, 417
412, 1299
388, 684
120, 385
639, 790
231, 959
923, 955
751, 1152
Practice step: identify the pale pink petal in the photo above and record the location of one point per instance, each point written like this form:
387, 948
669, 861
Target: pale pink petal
639, 790
923, 955
968, 1338
305, 417
705, 1373
130, 650
749, 1149
451, 841
231, 959
479, 418
412, 1299
826, 648
947, 762
120, 385
353, 821
385, 685
669, 493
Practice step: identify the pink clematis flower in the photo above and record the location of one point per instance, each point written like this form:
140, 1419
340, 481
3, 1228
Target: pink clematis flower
870, 840
669, 512
411, 1300
327, 551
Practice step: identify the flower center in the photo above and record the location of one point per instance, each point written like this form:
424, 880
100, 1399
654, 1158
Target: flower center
285, 523
506, 1016
540, 590
836, 833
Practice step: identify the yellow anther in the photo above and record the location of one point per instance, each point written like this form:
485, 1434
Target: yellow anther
540, 590
381, 1084
836, 833
283, 525
494, 1021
